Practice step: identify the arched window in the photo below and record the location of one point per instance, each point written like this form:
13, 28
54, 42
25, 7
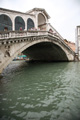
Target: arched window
5, 23
30, 24
19, 23
41, 21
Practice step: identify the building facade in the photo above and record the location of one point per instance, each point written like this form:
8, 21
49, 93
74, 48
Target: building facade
12, 20
35, 19
78, 41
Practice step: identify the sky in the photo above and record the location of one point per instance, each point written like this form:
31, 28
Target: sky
65, 14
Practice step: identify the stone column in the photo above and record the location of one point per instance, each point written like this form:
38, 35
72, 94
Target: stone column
25, 24
36, 21
13, 25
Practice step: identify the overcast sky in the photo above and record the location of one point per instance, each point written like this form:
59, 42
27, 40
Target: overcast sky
65, 14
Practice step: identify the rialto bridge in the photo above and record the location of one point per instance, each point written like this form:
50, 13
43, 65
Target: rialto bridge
37, 39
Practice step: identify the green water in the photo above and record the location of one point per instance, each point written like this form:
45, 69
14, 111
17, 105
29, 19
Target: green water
40, 91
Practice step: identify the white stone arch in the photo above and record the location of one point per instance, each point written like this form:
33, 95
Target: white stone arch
8, 17
43, 15
20, 47
63, 47
42, 20
68, 55
32, 21
19, 16
30, 18
12, 17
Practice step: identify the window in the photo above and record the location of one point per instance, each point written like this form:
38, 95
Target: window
5, 18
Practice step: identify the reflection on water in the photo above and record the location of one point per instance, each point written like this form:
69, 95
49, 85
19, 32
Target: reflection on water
40, 91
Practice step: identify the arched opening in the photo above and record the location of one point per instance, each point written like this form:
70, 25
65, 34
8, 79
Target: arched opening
30, 24
19, 23
5, 23
45, 51
41, 22
39, 50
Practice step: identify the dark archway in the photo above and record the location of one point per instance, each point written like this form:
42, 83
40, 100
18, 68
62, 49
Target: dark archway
5, 23
45, 51
30, 24
19, 23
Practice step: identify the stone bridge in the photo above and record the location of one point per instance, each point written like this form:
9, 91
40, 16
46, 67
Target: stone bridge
37, 45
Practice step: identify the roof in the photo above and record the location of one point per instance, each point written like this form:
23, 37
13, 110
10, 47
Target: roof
8, 10
39, 9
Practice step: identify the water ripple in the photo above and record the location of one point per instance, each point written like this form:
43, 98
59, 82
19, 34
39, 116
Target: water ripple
49, 91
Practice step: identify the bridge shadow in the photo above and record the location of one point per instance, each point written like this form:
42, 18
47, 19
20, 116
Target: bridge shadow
45, 52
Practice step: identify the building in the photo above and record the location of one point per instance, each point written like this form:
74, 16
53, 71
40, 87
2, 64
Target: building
35, 19
70, 44
33, 35
78, 41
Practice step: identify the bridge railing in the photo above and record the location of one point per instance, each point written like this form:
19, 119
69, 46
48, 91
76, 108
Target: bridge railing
15, 34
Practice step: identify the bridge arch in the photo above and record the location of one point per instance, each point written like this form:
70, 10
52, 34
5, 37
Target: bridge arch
5, 22
19, 23
60, 47
45, 51
51, 50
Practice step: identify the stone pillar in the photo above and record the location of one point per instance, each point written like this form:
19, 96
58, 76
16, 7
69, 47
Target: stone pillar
25, 25
13, 25
36, 21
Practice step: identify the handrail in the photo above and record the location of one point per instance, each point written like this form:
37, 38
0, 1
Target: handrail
14, 34
5, 35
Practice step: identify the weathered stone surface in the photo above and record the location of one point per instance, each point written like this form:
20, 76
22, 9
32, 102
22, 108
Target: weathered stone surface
46, 48
41, 42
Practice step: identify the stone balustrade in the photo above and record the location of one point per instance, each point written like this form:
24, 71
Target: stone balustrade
15, 34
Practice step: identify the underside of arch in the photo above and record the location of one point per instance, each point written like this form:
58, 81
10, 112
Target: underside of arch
45, 51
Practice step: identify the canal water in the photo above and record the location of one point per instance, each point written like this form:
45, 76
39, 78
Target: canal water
40, 91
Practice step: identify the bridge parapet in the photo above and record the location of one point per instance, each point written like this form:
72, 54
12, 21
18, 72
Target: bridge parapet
7, 37
14, 42
14, 34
